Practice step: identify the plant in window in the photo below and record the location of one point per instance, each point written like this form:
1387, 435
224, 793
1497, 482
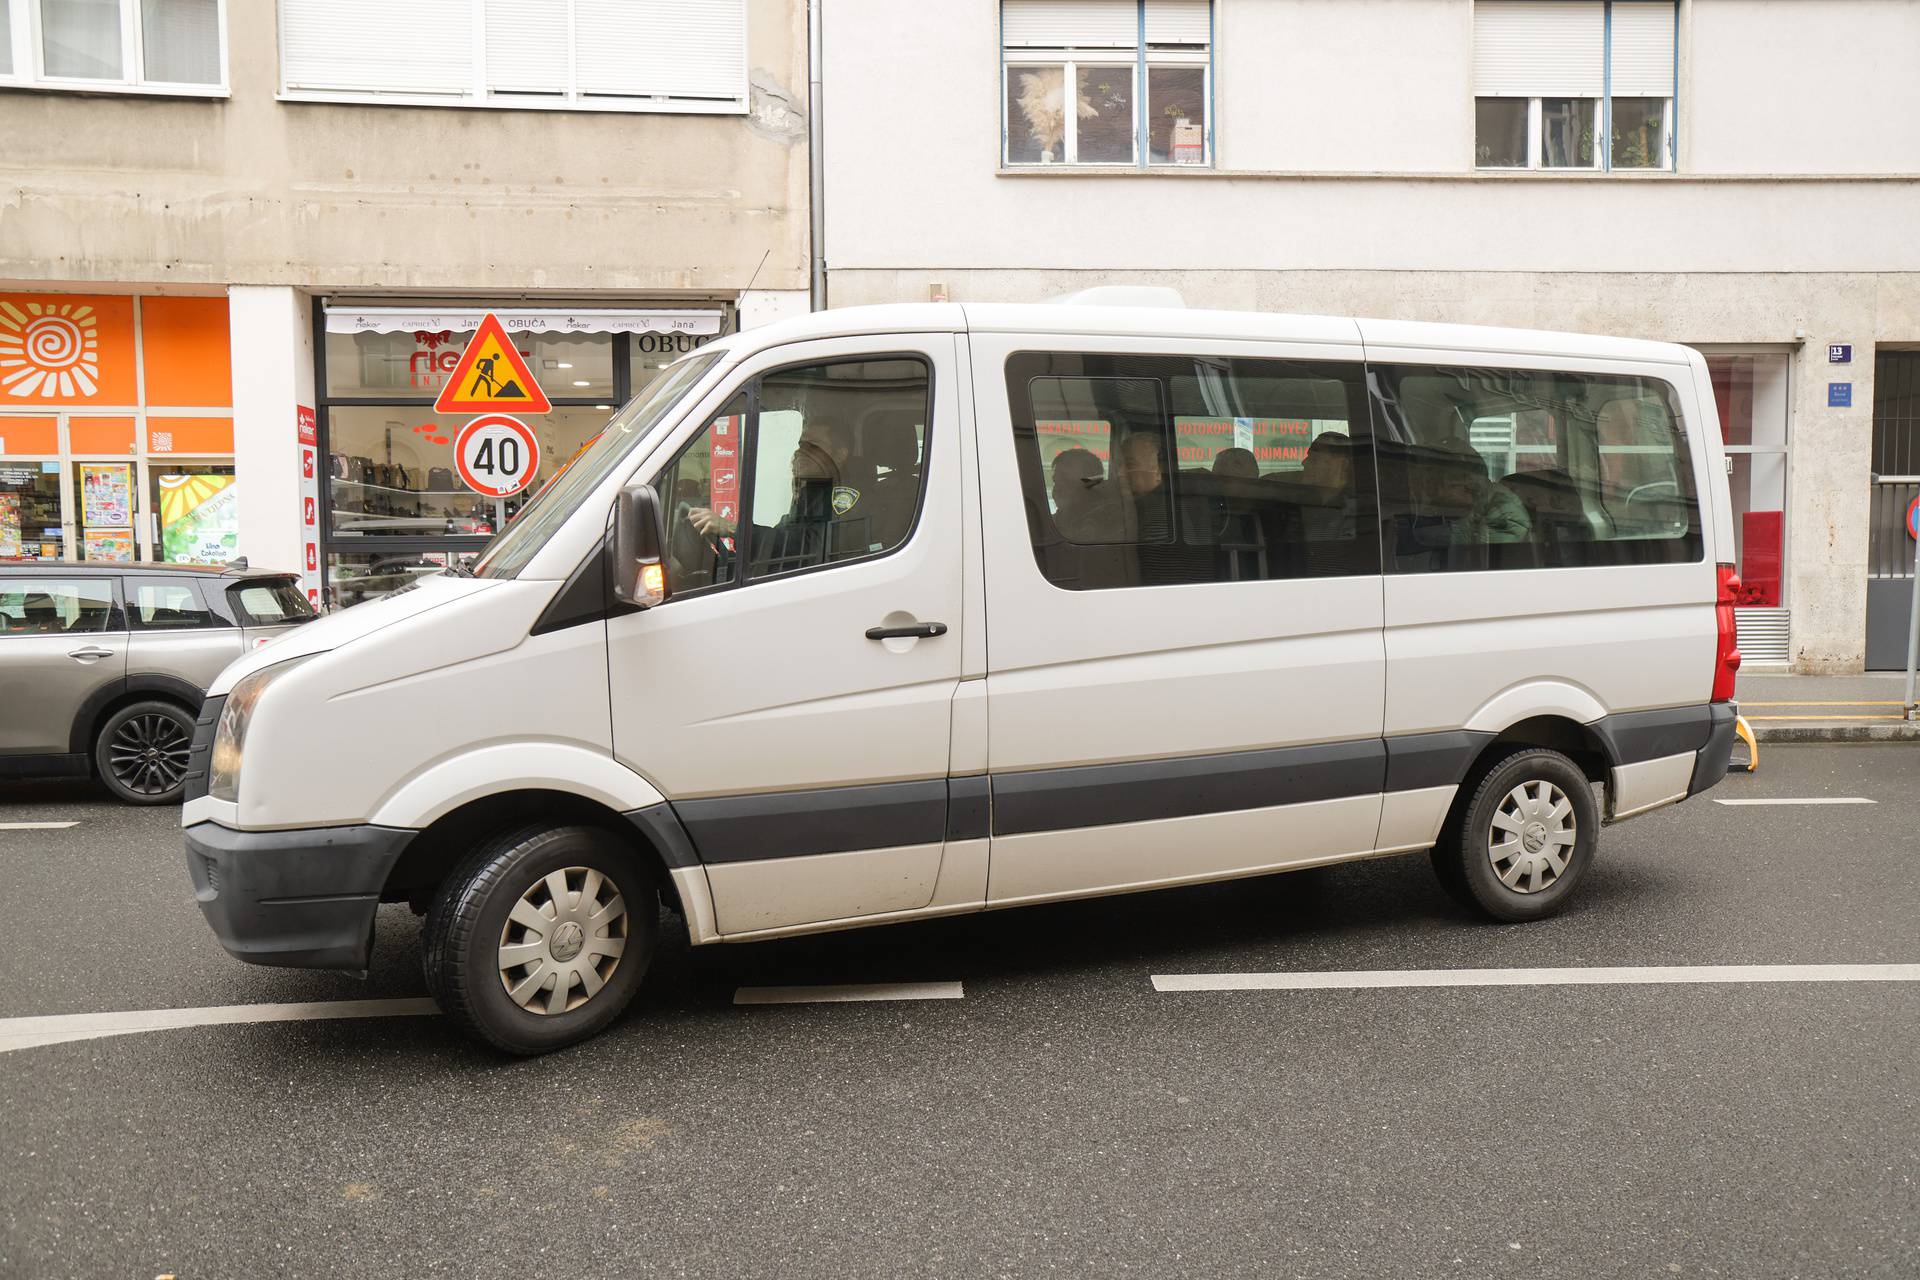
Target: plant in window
1043, 103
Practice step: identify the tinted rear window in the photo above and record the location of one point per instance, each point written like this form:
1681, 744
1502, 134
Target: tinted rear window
270, 603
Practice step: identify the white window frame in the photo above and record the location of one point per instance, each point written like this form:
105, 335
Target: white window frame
29, 58
1142, 59
483, 97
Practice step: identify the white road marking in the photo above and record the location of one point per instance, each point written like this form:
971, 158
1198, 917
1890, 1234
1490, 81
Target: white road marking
28, 1033
1804, 800
1596, 976
850, 992
36, 826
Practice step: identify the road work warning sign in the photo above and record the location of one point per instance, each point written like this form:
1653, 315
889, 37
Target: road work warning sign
491, 376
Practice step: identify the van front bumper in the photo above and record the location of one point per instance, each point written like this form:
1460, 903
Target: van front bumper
300, 899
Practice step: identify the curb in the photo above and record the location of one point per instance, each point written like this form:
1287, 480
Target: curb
1856, 733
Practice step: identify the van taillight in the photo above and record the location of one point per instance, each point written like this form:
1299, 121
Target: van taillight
1726, 649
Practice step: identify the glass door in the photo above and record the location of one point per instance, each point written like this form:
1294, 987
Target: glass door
192, 511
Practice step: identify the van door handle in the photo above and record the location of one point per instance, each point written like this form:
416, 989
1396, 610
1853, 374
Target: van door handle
90, 653
918, 631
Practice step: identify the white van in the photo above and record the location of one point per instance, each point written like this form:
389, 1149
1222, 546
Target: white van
898, 612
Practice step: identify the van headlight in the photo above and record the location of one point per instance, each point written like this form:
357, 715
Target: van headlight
229, 739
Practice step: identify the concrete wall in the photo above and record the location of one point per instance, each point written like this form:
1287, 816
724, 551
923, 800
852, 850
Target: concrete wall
105, 189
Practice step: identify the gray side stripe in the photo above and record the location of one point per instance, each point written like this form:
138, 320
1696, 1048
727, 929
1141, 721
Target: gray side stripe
1103, 794
794, 824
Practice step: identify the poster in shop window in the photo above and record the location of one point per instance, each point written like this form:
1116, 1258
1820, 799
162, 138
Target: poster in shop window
106, 494
199, 519
10, 548
107, 544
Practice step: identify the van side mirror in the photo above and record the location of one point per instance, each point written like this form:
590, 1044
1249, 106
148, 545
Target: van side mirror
639, 546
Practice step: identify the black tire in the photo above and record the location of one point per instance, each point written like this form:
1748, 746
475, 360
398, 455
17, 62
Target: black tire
1475, 872
467, 924
141, 752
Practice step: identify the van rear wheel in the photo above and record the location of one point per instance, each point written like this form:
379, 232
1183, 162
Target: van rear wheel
1521, 844
542, 937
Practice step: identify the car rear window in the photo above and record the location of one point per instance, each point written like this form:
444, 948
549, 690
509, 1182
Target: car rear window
272, 602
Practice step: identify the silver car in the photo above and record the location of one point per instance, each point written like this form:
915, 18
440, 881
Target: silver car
103, 667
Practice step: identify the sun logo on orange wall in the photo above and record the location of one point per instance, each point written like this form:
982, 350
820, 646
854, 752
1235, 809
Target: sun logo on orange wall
49, 350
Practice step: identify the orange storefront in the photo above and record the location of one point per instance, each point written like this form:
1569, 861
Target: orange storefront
116, 428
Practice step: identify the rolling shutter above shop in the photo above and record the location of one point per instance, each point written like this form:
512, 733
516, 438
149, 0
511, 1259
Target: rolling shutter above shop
1179, 22
1539, 48
1643, 41
431, 319
1070, 24
376, 46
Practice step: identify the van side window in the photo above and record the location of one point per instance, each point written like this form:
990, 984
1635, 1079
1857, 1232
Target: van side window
807, 466
700, 490
1153, 470
1529, 469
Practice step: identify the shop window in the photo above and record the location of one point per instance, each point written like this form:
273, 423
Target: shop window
1156, 470
1132, 101
1574, 84
31, 525
1750, 391
392, 471
357, 576
1529, 469
168, 46
418, 363
604, 55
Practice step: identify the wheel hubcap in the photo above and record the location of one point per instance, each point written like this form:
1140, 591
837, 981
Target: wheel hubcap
1532, 837
148, 754
562, 940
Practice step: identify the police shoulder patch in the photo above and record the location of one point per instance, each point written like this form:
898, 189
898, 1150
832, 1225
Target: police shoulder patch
844, 496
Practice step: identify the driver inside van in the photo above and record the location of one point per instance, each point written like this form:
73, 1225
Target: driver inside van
831, 515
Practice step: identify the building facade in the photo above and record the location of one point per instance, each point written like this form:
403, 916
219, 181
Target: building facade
1739, 175
243, 244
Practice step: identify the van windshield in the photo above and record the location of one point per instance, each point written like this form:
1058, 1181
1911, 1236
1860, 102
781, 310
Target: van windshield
515, 545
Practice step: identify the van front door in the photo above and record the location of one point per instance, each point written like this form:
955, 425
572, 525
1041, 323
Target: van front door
1185, 664
793, 698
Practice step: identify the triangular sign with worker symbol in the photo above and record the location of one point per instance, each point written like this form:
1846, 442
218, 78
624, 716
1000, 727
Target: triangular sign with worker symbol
492, 375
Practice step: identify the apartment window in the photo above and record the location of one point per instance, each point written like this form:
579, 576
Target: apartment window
583, 55
129, 46
1140, 74
1574, 84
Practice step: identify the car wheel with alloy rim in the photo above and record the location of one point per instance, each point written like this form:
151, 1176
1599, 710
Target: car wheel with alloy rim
142, 752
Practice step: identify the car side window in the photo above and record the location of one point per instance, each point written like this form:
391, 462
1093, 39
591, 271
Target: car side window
1531, 469
55, 606
168, 604
1153, 470
811, 465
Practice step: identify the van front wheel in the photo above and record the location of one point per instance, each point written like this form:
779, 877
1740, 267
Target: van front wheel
542, 937
1521, 844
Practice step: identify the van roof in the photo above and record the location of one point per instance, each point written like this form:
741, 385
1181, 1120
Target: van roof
1098, 320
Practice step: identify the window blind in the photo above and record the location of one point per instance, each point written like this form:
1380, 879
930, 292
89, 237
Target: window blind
1539, 48
182, 39
647, 48
526, 43
1184, 22
1643, 48
377, 46
1070, 24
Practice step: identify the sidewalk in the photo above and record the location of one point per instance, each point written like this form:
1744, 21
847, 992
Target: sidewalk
1785, 708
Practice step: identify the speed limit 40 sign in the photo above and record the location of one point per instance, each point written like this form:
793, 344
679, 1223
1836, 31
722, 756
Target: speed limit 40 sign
496, 455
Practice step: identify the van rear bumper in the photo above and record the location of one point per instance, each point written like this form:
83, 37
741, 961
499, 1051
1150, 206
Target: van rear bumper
299, 899
1710, 764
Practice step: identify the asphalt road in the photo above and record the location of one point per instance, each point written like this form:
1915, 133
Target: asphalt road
1063, 1118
